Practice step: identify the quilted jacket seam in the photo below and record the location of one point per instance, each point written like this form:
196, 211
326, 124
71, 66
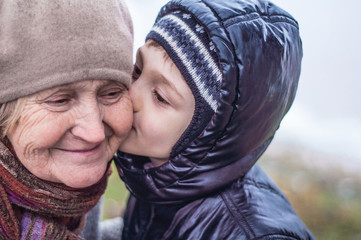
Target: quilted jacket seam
262, 186
233, 210
276, 237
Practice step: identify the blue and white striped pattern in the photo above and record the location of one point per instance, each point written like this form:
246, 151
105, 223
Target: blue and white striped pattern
191, 45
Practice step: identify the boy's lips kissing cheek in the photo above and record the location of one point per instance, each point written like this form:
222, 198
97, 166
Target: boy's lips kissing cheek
134, 125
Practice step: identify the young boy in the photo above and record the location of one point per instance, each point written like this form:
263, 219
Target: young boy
211, 86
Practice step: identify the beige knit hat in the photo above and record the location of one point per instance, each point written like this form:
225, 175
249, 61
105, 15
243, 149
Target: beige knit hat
47, 43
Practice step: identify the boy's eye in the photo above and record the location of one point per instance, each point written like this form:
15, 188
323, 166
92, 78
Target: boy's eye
159, 98
136, 72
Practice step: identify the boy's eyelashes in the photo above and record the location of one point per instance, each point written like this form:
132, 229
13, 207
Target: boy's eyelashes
159, 97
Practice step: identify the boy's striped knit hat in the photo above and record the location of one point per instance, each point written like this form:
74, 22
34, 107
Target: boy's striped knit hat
190, 48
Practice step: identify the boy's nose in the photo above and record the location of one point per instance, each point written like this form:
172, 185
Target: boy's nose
135, 96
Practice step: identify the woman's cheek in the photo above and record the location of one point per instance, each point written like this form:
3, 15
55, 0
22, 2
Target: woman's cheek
121, 116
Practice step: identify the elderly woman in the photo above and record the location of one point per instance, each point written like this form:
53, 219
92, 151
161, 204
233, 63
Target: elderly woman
64, 108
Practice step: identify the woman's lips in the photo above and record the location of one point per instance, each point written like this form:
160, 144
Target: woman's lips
82, 151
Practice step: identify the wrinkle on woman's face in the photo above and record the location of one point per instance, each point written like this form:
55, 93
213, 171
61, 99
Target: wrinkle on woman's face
68, 134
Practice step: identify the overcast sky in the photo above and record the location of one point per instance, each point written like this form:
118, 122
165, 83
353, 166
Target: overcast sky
326, 115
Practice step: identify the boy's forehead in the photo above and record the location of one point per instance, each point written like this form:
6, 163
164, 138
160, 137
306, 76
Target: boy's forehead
159, 67
151, 44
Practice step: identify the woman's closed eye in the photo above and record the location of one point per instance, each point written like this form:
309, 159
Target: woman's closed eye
58, 103
111, 95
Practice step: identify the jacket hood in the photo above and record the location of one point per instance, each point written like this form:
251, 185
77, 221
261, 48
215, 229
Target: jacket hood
259, 51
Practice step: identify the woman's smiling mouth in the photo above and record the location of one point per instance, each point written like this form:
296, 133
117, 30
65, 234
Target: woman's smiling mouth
87, 151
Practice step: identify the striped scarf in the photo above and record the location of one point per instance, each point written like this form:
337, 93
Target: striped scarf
32, 208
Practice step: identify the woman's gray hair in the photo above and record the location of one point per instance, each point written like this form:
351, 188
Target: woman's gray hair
9, 115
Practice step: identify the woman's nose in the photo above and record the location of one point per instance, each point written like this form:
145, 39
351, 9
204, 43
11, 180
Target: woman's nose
89, 125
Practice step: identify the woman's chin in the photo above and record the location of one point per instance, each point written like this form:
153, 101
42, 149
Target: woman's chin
84, 178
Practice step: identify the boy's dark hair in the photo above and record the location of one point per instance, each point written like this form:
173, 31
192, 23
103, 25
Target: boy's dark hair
156, 45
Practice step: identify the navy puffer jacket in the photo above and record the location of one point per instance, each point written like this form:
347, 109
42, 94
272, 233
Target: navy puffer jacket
213, 189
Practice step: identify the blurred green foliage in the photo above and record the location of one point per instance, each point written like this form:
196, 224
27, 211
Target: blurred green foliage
115, 196
326, 196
